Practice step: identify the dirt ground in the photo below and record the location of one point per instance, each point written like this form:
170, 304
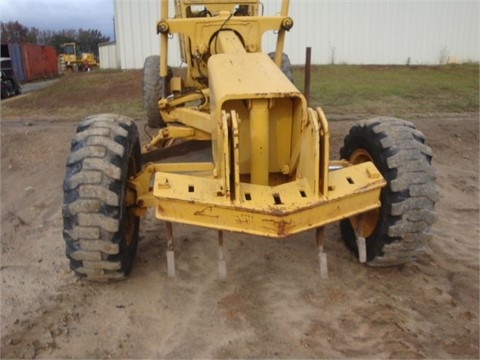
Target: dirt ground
273, 303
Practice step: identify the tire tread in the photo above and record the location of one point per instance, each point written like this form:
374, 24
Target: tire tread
410, 192
95, 173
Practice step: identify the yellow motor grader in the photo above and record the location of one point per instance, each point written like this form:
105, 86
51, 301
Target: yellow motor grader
269, 173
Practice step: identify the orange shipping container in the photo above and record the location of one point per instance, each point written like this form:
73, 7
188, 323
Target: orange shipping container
39, 62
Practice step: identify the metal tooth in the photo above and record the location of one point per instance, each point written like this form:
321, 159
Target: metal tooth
322, 262
170, 251
362, 249
222, 265
322, 257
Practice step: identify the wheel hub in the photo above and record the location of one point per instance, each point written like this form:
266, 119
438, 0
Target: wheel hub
364, 224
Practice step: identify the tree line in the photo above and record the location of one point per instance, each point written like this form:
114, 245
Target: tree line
88, 40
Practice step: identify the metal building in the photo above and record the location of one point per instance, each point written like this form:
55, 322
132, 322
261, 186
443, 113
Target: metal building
338, 31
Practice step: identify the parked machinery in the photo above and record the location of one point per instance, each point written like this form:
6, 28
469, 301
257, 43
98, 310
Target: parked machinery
73, 60
269, 173
9, 85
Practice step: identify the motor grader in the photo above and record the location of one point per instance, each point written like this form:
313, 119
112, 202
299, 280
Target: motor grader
269, 173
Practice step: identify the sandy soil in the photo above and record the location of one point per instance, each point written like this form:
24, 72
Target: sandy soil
273, 303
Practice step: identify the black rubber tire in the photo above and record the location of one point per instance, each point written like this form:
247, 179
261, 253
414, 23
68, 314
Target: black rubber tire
407, 212
152, 90
18, 89
286, 65
100, 234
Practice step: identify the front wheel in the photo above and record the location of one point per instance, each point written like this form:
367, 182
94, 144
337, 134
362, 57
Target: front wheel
100, 232
397, 231
286, 66
153, 86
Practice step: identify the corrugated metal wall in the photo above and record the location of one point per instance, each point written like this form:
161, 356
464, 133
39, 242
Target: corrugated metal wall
31, 62
338, 31
135, 30
39, 62
108, 55
384, 32
16, 56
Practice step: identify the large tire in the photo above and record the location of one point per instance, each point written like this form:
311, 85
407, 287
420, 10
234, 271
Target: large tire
152, 90
100, 234
286, 66
400, 228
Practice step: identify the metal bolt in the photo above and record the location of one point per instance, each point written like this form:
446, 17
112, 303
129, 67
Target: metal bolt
287, 23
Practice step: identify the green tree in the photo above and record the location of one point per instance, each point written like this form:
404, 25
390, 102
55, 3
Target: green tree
44, 37
13, 32
89, 40
59, 37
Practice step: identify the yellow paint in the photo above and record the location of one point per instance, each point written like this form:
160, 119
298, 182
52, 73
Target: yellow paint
270, 170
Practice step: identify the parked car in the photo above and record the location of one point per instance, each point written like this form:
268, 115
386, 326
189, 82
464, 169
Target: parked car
10, 85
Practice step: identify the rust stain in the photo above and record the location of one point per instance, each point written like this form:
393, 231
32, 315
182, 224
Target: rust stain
281, 226
244, 220
278, 95
203, 212
373, 184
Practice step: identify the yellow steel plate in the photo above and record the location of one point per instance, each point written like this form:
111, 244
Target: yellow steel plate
276, 211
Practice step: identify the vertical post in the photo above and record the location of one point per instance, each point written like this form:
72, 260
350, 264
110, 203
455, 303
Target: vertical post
170, 251
279, 47
284, 10
306, 86
362, 249
222, 265
281, 35
359, 235
259, 141
322, 257
164, 48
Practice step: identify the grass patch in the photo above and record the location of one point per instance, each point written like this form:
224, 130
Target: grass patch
78, 95
393, 90
338, 89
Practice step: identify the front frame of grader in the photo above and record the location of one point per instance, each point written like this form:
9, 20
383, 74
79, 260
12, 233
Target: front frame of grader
269, 173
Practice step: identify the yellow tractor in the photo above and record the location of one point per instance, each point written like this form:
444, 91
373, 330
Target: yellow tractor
73, 60
269, 173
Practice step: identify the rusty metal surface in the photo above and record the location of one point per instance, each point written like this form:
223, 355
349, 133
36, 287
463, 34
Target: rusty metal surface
39, 62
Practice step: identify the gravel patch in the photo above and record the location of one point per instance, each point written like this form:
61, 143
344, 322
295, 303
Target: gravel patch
33, 86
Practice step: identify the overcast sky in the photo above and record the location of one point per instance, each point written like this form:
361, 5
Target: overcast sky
58, 15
